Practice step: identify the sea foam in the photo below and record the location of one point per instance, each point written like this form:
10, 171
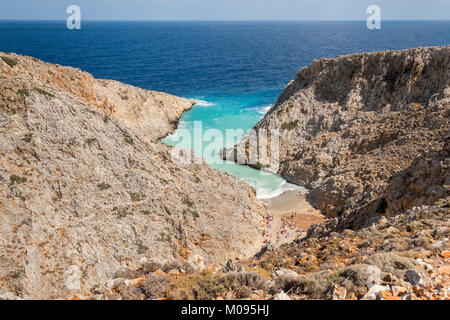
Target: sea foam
203, 103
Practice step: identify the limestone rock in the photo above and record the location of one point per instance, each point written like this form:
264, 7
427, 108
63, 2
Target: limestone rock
86, 188
375, 292
398, 291
282, 296
349, 124
284, 273
414, 277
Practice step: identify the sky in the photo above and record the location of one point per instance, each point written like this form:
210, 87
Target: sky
225, 9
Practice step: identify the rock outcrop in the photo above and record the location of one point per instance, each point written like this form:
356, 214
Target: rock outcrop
349, 124
85, 188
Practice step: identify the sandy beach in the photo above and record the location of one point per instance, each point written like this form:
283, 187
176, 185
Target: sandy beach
290, 216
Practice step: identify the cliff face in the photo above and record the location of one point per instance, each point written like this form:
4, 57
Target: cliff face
348, 124
401, 257
86, 190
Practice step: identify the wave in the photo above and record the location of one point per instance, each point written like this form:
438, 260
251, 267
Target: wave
261, 109
203, 103
268, 193
175, 135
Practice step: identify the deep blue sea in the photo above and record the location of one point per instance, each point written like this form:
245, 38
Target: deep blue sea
234, 69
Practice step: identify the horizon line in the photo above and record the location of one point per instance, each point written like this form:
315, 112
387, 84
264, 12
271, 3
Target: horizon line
226, 20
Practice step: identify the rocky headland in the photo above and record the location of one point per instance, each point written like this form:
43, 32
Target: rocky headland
349, 124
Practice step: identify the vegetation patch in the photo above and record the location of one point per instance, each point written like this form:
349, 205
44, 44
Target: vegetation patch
135, 196
289, 125
121, 212
23, 92
103, 186
155, 286
447, 113
188, 202
164, 237
27, 138
200, 287
9, 61
194, 214
44, 93
129, 140
141, 248
208, 286
300, 286
14, 179
91, 141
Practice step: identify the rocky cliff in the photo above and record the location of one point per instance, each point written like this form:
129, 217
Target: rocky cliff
369, 134
401, 257
86, 189
349, 123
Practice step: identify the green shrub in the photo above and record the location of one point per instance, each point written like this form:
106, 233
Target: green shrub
188, 202
129, 140
300, 286
91, 141
391, 262
289, 125
103, 186
127, 273
23, 92
17, 179
155, 286
251, 280
43, 92
354, 278
151, 266
141, 248
210, 287
28, 137
308, 266
173, 265
121, 212
194, 213
135, 196
9, 61
164, 238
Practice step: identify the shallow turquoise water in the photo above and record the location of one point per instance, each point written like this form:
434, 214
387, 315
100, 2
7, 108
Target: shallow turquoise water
238, 112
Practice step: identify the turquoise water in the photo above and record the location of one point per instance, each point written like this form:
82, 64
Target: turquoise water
224, 113
234, 69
